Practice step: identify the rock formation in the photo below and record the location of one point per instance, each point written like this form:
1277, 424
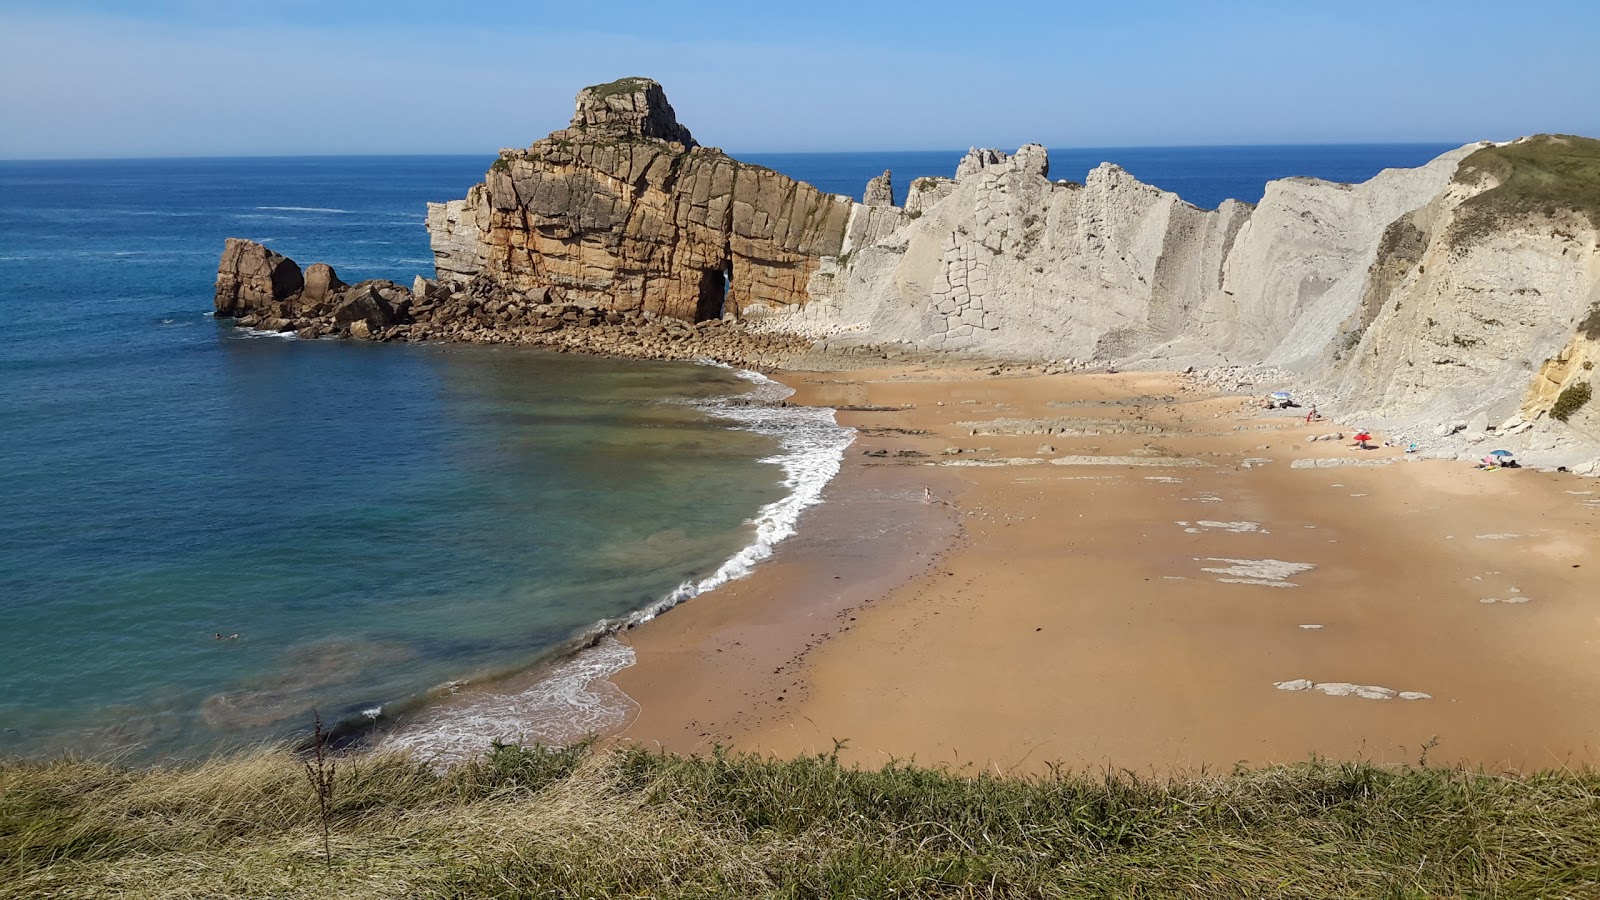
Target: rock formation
623, 210
880, 191
1448, 291
256, 287
1467, 289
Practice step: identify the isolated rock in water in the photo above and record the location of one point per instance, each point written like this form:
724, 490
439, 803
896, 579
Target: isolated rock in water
251, 278
880, 191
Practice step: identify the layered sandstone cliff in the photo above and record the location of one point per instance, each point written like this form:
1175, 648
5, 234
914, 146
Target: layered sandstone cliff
622, 209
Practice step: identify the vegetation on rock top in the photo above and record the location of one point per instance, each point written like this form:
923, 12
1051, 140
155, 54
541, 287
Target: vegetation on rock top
630, 85
533, 822
1547, 175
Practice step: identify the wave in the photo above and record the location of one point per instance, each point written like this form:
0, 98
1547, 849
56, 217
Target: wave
310, 209
574, 698
570, 702
263, 333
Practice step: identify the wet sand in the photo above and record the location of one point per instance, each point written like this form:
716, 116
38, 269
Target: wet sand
1141, 614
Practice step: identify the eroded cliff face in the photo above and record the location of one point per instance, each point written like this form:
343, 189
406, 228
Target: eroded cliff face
622, 210
1465, 288
1440, 291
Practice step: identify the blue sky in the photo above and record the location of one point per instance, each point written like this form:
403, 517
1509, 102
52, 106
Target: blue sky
93, 78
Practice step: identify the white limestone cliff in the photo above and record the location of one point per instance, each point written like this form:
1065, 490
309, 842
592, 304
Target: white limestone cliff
1367, 293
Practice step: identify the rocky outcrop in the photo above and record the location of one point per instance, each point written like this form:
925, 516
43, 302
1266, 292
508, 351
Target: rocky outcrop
478, 311
1454, 291
880, 191
925, 192
623, 211
259, 288
978, 159
250, 277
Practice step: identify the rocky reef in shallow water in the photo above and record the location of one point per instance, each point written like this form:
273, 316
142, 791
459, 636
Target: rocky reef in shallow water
259, 288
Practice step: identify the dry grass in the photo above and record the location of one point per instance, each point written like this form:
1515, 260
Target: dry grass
536, 823
1548, 177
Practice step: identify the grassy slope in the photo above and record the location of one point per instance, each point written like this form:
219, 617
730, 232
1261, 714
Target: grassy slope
1545, 176
531, 823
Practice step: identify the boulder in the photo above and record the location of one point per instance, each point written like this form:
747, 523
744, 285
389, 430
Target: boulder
321, 284
252, 278
365, 303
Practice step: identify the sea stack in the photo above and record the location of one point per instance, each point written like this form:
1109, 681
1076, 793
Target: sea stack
625, 211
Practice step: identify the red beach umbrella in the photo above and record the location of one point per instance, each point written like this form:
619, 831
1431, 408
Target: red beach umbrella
1363, 436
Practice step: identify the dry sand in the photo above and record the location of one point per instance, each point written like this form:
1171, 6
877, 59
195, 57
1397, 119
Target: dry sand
1140, 614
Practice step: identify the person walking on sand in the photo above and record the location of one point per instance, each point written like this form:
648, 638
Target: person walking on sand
1312, 414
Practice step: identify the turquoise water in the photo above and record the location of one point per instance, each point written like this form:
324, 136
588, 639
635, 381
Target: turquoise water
371, 521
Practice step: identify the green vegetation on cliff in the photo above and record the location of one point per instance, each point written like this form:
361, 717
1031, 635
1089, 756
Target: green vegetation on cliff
1547, 175
1571, 399
630, 85
630, 823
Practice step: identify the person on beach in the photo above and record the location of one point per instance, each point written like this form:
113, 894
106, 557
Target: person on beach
1312, 414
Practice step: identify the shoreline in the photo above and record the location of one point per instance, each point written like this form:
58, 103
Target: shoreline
562, 695
1172, 639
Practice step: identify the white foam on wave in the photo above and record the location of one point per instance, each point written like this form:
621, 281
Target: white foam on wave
811, 447
572, 701
263, 333
575, 699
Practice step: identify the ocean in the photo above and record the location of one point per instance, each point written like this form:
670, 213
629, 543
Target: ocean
206, 535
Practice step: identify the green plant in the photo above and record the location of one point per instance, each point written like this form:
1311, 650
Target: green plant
1544, 176
1465, 343
628, 85
541, 822
501, 164
1570, 400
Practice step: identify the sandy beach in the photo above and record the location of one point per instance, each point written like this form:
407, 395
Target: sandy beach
1126, 571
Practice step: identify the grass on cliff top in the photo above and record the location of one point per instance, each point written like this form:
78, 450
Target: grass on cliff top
1547, 175
631, 823
632, 84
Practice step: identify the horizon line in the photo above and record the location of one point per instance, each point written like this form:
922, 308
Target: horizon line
490, 154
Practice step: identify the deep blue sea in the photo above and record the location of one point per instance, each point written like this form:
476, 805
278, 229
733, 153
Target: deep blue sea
373, 522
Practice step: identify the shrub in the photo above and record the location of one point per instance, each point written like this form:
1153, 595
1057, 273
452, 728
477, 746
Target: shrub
1571, 400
